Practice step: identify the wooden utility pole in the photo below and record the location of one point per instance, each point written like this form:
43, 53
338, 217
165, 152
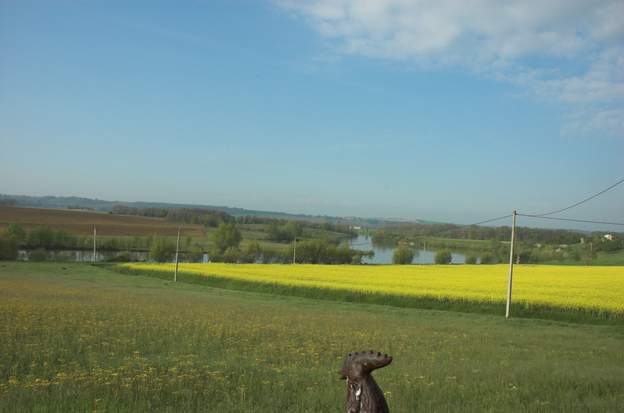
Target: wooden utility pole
295, 250
511, 256
175, 274
591, 253
94, 245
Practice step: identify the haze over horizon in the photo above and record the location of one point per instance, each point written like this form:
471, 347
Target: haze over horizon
382, 108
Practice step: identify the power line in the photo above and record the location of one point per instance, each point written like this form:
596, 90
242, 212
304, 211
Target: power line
458, 227
589, 221
487, 221
455, 227
580, 202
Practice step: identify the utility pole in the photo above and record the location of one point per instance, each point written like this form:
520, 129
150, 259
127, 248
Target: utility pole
591, 253
294, 250
175, 274
511, 256
94, 245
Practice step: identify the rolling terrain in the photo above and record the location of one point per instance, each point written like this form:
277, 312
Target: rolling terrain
79, 222
80, 338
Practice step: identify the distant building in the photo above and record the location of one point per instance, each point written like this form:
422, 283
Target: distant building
609, 237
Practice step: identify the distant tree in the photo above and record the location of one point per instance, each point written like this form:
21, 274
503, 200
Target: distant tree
487, 258
40, 254
232, 255
40, 237
15, 233
293, 229
609, 245
120, 257
226, 236
7, 202
252, 252
471, 259
8, 249
443, 257
161, 250
195, 254
575, 255
403, 255
359, 255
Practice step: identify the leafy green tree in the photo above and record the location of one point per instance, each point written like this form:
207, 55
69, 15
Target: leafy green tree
293, 229
575, 255
403, 255
41, 237
252, 252
8, 249
487, 258
62, 239
471, 259
195, 254
120, 257
16, 233
232, 255
226, 236
443, 257
161, 250
40, 254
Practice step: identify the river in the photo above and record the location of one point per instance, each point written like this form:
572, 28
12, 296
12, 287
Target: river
383, 255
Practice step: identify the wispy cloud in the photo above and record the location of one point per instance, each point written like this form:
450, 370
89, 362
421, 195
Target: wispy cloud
565, 51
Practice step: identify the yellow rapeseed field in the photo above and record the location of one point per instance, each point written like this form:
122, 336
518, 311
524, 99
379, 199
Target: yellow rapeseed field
564, 287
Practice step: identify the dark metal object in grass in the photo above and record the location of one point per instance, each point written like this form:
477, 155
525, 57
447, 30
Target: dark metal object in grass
363, 393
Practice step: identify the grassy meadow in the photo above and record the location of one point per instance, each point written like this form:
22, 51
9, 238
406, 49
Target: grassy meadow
80, 338
561, 292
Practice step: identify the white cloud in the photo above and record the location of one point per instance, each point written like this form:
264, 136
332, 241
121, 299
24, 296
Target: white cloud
579, 44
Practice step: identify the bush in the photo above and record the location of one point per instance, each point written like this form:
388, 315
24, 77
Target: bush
403, 255
121, 257
46, 237
443, 257
161, 250
487, 258
231, 255
471, 259
39, 254
8, 249
16, 233
316, 251
226, 236
196, 254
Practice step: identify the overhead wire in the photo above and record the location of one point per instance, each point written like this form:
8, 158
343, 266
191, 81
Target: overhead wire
589, 221
539, 216
580, 202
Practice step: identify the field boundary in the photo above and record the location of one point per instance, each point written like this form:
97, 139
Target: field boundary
520, 309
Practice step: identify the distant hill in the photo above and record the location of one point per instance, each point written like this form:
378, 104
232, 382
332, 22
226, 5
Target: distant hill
72, 202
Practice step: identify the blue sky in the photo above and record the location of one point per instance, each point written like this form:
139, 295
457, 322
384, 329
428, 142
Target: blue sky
371, 108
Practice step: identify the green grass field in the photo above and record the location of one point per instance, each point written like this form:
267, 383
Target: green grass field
80, 338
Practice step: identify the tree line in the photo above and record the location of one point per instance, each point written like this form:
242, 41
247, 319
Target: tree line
393, 234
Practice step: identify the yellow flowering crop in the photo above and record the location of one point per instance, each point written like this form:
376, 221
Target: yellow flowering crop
566, 287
